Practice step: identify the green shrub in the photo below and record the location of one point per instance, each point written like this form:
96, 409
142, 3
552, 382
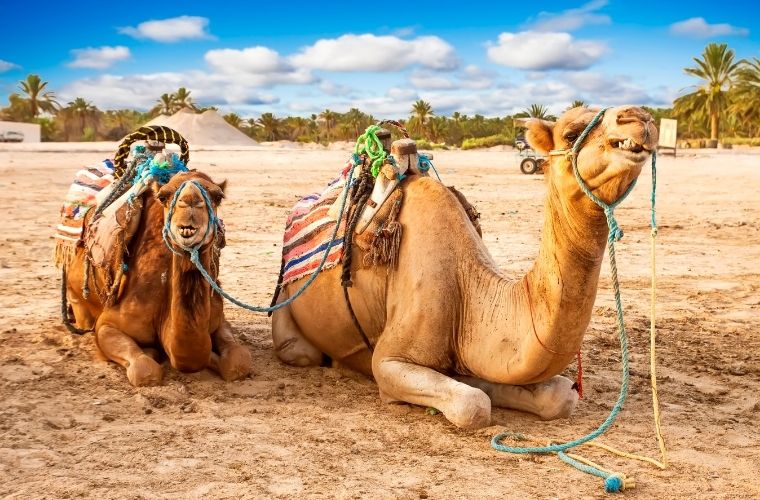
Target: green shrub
487, 142
423, 144
741, 141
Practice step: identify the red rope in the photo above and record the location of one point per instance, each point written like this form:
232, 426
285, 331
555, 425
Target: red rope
579, 376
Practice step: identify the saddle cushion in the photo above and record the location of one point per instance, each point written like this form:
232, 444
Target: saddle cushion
81, 197
308, 231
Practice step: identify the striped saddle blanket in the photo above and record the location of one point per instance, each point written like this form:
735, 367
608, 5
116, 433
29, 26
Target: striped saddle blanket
308, 231
80, 198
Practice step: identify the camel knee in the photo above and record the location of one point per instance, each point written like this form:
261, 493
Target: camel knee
555, 398
297, 351
471, 409
144, 371
235, 363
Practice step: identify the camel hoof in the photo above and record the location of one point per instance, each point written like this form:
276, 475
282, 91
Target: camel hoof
144, 371
556, 398
235, 364
471, 410
297, 352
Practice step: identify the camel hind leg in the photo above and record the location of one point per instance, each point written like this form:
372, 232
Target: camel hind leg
549, 400
290, 345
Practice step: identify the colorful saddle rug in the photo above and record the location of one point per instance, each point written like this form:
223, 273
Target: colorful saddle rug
308, 231
80, 198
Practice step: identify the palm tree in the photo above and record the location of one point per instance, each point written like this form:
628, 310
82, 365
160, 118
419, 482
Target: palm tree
182, 99
538, 111
356, 120
82, 109
717, 70
233, 119
36, 97
165, 105
745, 101
270, 125
422, 111
298, 127
577, 104
328, 119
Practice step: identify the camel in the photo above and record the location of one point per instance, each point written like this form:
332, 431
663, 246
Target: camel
164, 305
449, 330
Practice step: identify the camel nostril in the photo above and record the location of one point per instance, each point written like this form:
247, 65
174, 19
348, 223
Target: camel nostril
632, 115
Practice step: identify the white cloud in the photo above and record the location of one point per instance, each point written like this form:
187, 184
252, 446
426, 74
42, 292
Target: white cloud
257, 66
335, 89
508, 98
7, 66
170, 30
373, 53
533, 50
98, 58
142, 91
699, 28
571, 19
471, 77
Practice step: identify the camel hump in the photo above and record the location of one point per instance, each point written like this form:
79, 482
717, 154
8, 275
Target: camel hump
469, 208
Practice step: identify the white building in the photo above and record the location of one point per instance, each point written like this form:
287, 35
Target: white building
31, 131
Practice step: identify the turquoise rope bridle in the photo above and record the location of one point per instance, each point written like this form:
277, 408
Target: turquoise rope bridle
213, 222
613, 482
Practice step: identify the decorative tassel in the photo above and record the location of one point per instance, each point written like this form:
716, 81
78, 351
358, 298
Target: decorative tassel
386, 243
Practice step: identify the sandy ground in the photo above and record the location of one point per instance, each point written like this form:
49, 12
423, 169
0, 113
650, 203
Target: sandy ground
72, 426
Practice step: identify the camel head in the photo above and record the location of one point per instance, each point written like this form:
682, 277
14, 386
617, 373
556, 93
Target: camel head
610, 158
191, 224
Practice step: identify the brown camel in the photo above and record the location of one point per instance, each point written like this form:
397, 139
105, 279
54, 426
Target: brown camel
164, 304
450, 331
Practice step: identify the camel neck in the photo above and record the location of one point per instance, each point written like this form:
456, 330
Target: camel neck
186, 330
560, 288
533, 326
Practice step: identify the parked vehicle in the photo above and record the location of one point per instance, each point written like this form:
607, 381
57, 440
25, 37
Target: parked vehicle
11, 136
531, 162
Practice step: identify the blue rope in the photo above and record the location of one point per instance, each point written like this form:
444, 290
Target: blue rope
424, 164
161, 172
613, 482
195, 254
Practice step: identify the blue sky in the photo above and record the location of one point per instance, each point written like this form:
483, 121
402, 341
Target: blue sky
293, 58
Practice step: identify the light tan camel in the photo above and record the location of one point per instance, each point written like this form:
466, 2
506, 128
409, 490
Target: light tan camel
164, 304
450, 330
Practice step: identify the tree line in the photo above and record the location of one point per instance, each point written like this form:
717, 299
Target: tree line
726, 101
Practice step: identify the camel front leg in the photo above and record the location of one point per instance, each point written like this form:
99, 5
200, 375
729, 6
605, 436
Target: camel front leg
229, 359
552, 399
463, 405
117, 346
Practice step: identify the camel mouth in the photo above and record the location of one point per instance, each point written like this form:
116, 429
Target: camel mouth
187, 231
628, 144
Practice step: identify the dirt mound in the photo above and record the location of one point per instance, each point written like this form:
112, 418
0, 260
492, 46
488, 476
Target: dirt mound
207, 128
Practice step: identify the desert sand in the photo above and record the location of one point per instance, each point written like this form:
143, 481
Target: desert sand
72, 426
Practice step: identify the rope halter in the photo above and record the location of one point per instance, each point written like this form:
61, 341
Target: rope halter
609, 208
211, 227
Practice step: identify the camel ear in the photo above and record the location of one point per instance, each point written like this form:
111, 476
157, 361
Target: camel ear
217, 192
540, 135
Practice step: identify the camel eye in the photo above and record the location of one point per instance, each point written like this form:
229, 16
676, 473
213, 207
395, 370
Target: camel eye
571, 136
162, 196
216, 196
